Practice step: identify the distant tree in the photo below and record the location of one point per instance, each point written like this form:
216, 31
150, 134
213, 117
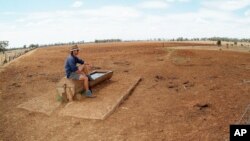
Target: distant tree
228, 39
108, 40
24, 46
218, 43
33, 46
204, 39
3, 45
180, 39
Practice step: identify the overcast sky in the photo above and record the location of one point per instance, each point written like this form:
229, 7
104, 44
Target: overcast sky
49, 21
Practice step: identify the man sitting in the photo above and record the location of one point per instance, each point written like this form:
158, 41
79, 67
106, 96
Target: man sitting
78, 72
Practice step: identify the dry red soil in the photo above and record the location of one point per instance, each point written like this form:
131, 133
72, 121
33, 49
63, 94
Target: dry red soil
184, 95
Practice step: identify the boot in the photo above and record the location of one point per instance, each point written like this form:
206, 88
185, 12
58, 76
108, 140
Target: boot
89, 94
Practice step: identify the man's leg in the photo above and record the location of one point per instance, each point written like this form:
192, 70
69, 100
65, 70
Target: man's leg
84, 68
86, 85
86, 81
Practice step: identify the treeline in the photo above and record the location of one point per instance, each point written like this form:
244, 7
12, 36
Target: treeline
108, 40
228, 39
31, 46
60, 44
212, 39
4, 44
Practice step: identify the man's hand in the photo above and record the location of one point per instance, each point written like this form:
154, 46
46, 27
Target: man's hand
89, 65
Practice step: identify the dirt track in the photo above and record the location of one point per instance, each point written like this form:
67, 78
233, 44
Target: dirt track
185, 95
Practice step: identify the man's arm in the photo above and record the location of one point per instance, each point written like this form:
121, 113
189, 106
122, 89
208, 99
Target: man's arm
80, 61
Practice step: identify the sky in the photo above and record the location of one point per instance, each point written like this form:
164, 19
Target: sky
23, 22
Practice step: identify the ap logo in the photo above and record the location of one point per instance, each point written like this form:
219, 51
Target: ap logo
239, 132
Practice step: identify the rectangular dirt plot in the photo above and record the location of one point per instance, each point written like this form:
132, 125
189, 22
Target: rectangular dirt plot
108, 99
41, 104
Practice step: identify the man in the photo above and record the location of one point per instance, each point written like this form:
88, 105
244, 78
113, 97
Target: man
78, 72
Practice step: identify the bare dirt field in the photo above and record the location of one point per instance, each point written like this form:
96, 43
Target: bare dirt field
11, 55
185, 94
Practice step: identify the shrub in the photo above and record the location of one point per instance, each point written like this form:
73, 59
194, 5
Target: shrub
218, 43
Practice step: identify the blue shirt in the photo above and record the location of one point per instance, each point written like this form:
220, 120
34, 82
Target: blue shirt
70, 64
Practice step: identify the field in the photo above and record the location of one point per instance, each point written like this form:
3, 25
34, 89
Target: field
186, 94
11, 55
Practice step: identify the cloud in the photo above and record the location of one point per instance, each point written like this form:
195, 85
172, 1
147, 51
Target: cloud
227, 5
154, 4
125, 22
216, 15
77, 4
70, 25
247, 13
112, 12
178, 0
